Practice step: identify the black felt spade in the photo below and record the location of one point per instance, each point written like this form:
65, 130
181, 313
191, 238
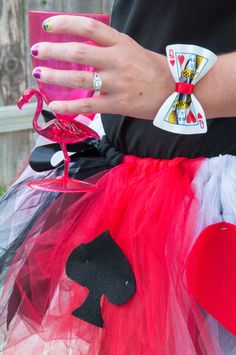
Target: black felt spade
102, 267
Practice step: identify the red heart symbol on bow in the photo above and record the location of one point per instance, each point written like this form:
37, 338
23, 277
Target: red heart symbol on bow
210, 272
191, 118
199, 115
172, 62
181, 59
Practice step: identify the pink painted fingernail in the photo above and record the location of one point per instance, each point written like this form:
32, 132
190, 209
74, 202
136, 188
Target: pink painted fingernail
35, 50
37, 73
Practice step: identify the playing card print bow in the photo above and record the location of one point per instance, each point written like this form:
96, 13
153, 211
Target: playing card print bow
181, 112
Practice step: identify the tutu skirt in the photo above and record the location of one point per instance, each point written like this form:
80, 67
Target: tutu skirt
154, 210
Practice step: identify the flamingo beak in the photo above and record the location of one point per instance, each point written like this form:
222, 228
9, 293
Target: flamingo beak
25, 98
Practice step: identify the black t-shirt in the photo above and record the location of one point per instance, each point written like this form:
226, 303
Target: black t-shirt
155, 24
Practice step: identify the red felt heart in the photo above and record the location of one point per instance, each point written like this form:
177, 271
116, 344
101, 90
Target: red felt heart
172, 62
191, 118
181, 59
211, 272
199, 115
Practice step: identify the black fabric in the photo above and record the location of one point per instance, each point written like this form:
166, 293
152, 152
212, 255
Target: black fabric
155, 24
41, 157
103, 268
100, 153
48, 116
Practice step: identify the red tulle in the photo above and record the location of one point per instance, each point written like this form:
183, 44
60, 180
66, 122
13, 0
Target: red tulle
150, 209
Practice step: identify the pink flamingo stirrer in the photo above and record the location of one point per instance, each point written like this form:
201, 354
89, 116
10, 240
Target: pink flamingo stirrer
64, 132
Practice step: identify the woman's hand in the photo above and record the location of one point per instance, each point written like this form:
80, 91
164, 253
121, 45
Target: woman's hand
136, 81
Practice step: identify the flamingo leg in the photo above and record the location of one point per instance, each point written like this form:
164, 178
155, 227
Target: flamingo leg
66, 162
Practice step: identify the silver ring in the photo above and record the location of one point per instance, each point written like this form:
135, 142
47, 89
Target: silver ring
97, 82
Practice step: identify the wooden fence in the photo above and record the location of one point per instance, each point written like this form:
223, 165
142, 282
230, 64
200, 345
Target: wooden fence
15, 74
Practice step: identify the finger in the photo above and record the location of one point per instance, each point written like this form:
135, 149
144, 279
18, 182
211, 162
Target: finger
98, 104
86, 27
70, 78
73, 52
